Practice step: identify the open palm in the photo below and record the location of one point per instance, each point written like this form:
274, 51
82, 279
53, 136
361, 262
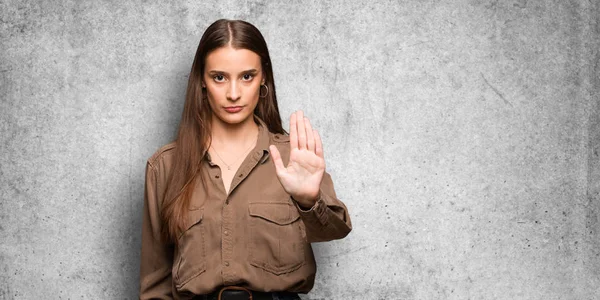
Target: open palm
304, 172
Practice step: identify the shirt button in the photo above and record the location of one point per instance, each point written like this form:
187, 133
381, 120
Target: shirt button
227, 264
226, 232
241, 175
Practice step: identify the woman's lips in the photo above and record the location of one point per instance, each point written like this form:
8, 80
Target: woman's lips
233, 109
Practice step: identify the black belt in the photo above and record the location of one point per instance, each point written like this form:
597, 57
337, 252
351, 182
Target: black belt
239, 293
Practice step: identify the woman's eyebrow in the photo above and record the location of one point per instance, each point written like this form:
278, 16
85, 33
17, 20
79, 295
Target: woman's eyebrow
223, 72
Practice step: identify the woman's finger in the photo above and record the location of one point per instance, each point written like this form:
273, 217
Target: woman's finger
276, 156
318, 144
310, 139
293, 132
301, 130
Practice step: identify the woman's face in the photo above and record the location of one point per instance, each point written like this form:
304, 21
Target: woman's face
232, 78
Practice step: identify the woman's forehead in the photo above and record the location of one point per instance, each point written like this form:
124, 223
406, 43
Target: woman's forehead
228, 59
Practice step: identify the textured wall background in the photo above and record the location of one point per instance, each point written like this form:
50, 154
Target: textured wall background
462, 135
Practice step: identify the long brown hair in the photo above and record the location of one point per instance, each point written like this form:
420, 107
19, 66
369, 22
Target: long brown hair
194, 134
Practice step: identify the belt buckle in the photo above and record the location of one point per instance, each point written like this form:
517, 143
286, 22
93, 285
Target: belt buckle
235, 288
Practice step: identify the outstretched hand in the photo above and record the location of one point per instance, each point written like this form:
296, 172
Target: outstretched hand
304, 172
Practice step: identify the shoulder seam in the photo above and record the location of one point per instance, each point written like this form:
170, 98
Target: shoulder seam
159, 153
284, 138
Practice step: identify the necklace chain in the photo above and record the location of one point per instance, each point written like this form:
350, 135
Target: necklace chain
238, 158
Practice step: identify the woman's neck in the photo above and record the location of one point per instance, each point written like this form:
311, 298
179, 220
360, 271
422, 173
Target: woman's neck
233, 135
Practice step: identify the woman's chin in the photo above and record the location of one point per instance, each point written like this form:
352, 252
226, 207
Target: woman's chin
233, 119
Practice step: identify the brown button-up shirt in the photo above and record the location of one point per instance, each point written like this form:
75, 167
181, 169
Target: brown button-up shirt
256, 236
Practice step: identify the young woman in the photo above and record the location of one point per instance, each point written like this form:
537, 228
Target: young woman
232, 205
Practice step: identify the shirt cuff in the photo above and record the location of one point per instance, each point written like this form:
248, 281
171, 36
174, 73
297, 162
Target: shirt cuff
317, 213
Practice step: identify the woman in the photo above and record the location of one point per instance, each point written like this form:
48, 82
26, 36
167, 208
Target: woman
231, 207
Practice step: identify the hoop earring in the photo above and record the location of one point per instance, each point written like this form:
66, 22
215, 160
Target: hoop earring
265, 93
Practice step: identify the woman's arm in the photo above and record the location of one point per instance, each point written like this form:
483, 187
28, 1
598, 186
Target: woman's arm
305, 179
328, 218
156, 257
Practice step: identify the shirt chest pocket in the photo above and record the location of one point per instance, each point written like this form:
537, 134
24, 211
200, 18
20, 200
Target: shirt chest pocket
277, 238
190, 260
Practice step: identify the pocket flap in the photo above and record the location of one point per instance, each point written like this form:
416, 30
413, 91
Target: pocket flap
195, 216
279, 212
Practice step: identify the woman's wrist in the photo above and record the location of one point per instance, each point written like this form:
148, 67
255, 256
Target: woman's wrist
306, 203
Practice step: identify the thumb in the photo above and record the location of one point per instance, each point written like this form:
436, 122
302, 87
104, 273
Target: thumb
279, 167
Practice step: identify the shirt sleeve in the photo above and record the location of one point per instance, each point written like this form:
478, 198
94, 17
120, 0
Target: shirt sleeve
156, 256
328, 218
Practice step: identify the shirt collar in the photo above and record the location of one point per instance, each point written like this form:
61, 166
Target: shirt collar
263, 142
261, 150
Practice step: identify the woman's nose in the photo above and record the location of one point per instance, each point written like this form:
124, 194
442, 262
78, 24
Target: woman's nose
233, 93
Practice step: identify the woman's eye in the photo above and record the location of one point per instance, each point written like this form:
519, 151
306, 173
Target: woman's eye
218, 78
247, 77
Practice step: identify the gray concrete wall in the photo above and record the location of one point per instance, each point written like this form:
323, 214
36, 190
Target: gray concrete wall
462, 135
